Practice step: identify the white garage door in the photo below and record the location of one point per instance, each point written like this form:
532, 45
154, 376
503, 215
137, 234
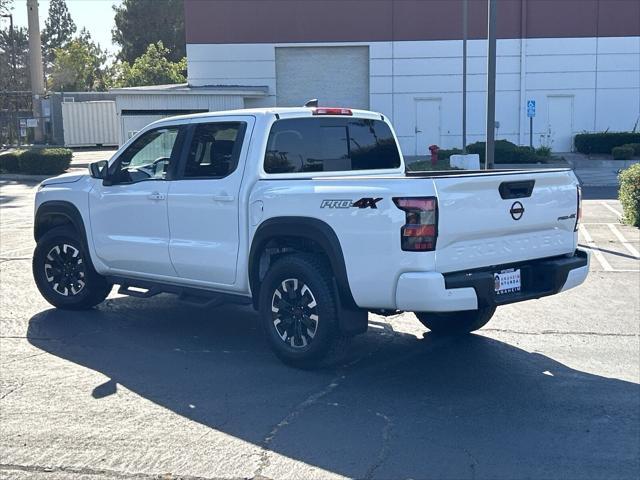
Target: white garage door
336, 76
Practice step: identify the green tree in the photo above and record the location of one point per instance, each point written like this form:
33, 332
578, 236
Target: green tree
19, 42
6, 6
14, 85
152, 68
139, 23
80, 66
59, 29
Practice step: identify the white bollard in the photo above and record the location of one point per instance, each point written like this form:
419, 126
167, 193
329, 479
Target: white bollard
466, 162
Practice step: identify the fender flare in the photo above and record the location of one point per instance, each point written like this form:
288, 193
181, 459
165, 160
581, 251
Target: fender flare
310, 229
63, 209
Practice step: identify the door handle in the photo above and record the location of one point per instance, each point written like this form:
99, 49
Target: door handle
156, 196
223, 198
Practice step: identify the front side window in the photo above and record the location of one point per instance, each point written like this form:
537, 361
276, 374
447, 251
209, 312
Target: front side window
214, 150
330, 145
148, 158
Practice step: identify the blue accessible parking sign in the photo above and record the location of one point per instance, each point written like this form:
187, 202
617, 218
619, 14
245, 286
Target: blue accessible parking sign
531, 108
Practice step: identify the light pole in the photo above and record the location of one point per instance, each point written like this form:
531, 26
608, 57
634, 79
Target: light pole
465, 27
35, 65
491, 87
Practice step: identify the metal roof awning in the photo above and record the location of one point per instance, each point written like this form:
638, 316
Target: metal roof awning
186, 89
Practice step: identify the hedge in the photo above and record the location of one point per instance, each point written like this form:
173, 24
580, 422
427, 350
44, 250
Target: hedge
444, 153
629, 195
635, 147
603, 142
507, 152
625, 152
9, 162
36, 161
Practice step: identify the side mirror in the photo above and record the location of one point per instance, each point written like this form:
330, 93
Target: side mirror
99, 169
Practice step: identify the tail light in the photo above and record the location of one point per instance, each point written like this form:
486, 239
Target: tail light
579, 207
332, 111
420, 231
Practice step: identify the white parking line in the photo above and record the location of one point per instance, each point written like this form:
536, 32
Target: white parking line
611, 208
632, 250
594, 248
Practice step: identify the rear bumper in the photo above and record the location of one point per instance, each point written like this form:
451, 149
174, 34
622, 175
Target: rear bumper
469, 290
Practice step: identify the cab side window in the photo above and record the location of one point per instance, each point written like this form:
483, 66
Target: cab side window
149, 157
214, 150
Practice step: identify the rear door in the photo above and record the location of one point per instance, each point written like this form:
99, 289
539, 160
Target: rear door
494, 219
203, 200
427, 124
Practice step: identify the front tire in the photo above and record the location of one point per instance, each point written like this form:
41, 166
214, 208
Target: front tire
456, 323
298, 311
63, 271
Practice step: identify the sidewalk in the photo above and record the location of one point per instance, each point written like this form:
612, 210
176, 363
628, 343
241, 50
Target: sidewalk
597, 170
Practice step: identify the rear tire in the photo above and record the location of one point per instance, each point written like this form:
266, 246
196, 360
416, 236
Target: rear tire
298, 310
63, 271
456, 323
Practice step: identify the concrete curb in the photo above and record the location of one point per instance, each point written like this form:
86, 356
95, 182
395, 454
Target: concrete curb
528, 166
19, 177
588, 163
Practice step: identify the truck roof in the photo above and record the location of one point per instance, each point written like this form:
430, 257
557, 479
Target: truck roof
286, 112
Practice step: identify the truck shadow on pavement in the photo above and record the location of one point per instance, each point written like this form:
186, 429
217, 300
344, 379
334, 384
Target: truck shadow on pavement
401, 407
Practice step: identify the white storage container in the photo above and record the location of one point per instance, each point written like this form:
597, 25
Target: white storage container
90, 123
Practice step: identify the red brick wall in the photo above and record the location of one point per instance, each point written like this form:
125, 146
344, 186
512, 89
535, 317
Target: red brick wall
289, 21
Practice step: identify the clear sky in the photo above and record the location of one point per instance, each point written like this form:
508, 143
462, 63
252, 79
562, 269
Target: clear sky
95, 15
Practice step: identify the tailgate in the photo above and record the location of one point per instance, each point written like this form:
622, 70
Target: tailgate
496, 219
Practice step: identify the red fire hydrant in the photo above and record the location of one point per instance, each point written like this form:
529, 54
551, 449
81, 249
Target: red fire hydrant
434, 153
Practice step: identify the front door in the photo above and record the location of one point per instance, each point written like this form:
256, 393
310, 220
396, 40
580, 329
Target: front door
204, 201
128, 212
560, 122
427, 124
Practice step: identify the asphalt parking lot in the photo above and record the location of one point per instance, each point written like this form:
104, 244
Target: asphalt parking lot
156, 389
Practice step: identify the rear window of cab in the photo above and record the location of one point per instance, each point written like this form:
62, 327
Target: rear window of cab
330, 144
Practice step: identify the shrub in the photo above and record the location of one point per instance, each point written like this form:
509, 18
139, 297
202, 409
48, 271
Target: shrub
37, 161
9, 161
622, 153
544, 152
635, 146
444, 154
630, 194
603, 142
506, 152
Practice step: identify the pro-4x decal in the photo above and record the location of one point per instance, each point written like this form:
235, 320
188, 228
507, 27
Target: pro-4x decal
366, 202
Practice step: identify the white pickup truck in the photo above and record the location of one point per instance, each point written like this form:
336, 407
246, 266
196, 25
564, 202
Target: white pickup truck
308, 214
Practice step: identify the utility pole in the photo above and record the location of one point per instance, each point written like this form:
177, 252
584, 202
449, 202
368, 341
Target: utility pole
465, 28
35, 65
491, 87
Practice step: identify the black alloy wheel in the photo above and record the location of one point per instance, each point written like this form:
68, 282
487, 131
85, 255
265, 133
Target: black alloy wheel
298, 310
294, 311
65, 269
